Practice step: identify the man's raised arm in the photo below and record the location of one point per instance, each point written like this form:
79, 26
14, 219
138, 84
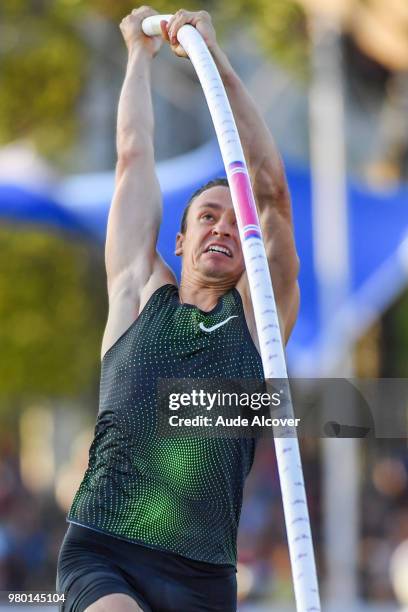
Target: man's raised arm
271, 193
265, 168
135, 214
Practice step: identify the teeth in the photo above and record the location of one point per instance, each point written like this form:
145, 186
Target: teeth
218, 249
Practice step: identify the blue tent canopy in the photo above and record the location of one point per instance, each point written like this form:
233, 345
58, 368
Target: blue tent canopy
22, 205
378, 224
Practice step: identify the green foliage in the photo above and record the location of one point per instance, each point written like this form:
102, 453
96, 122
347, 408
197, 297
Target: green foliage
118, 10
395, 347
42, 72
44, 56
278, 25
52, 313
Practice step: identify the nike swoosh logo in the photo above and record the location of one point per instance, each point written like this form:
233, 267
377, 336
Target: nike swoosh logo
214, 327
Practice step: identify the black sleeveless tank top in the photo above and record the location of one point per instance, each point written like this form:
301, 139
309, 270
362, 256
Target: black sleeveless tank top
181, 495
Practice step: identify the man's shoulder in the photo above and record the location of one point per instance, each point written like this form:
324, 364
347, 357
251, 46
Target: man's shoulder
242, 287
126, 305
162, 275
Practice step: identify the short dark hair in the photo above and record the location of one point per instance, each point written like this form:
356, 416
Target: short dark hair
222, 181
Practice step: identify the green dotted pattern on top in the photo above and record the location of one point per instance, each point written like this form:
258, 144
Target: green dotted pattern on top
182, 495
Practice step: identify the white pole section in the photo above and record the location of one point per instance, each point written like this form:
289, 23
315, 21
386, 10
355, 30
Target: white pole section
267, 323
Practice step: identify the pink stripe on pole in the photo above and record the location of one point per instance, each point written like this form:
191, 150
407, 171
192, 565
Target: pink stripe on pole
241, 185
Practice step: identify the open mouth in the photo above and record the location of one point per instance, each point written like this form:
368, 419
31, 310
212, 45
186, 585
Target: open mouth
218, 249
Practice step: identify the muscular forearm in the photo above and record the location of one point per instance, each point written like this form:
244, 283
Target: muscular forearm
264, 163
263, 159
135, 212
135, 112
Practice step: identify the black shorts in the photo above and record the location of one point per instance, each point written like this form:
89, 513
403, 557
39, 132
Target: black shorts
92, 564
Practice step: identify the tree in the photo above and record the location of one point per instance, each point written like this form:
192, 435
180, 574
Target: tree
42, 67
52, 313
45, 57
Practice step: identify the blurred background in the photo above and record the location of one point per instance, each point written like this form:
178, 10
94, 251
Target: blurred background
331, 78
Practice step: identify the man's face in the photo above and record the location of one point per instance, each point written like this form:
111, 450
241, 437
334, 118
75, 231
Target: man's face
211, 246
